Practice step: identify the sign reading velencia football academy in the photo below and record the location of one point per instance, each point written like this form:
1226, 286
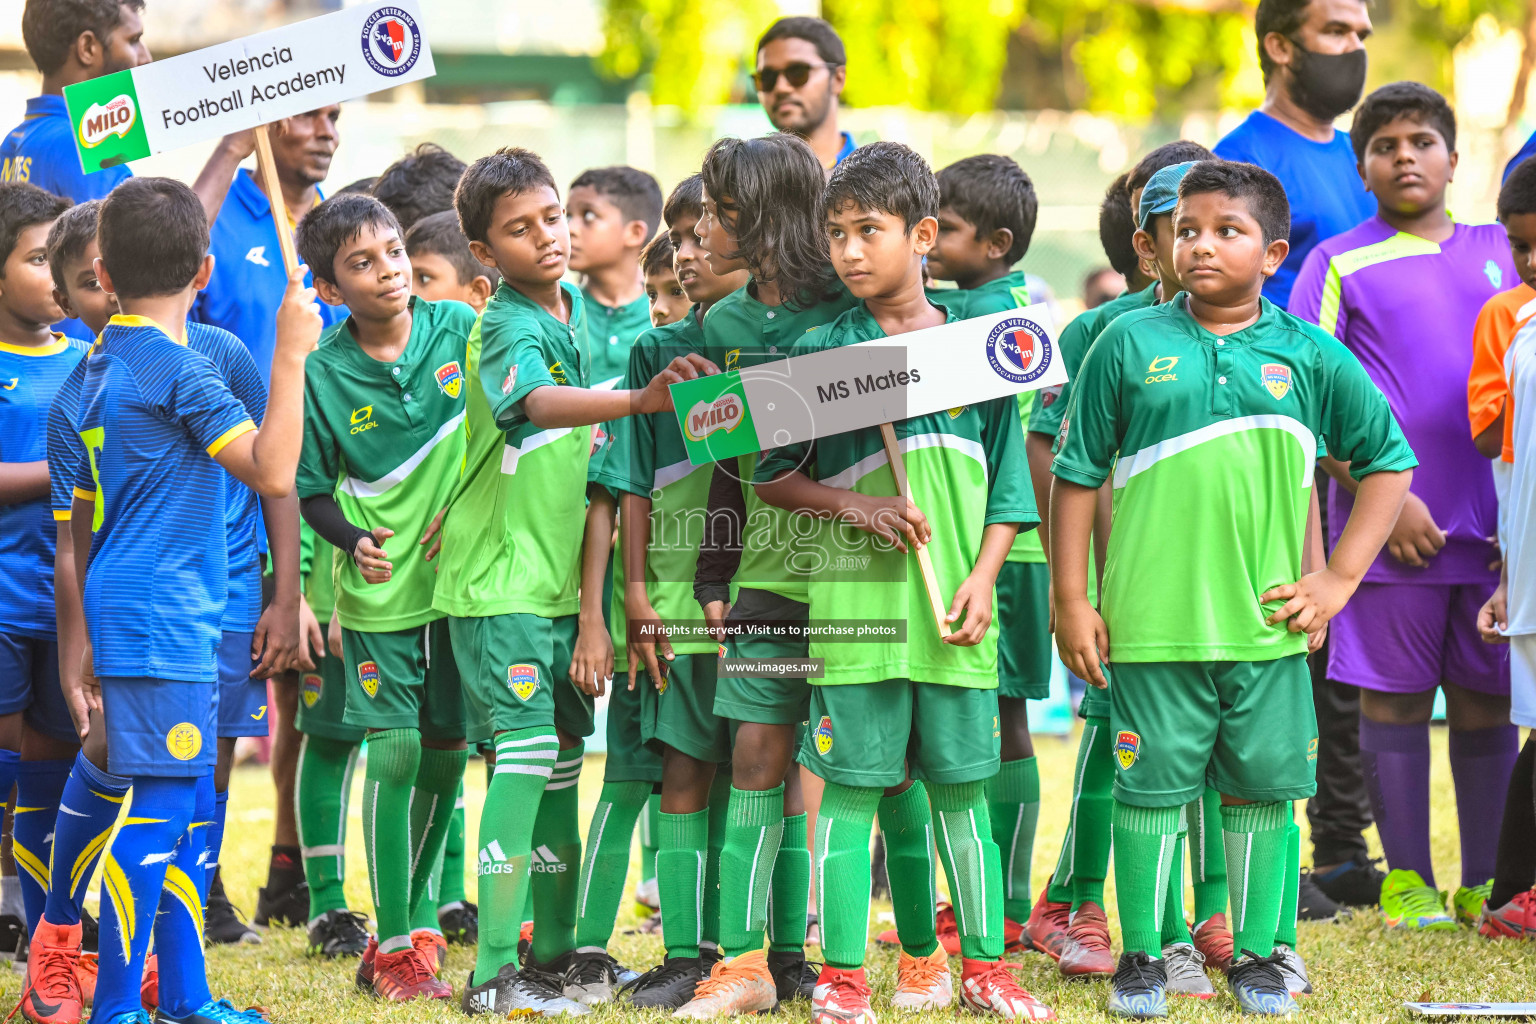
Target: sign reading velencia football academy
841, 389
247, 82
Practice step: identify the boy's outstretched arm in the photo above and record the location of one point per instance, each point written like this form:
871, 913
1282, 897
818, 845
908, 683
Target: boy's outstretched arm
894, 519
552, 407
1081, 636
1038, 447
69, 618
277, 643
592, 660
1317, 597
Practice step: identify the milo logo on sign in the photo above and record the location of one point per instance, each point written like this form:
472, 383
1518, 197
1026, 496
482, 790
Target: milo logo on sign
102, 121
108, 121
725, 413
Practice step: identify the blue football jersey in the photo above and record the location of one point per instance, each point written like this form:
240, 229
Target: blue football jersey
29, 379
151, 413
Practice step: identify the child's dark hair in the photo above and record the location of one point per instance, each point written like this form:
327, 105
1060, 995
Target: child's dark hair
70, 236
685, 200
819, 33
992, 192
1518, 195
419, 183
361, 185
1180, 151
331, 225
440, 233
508, 171
23, 205
1400, 99
1116, 226
657, 256
770, 182
50, 27
633, 191
153, 236
884, 176
1260, 190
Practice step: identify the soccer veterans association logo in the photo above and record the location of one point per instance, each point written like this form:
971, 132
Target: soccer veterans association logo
1127, 748
391, 41
184, 741
823, 736
1277, 378
311, 689
523, 680
450, 379
368, 677
1019, 350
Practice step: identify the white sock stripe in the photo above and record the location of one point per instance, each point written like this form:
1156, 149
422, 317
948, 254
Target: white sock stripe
567, 773
567, 784
757, 853
549, 739
1013, 853
298, 789
980, 868
698, 898
371, 833
1242, 916
956, 901
520, 769
526, 755
1159, 902
329, 850
573, 763
933, 868
426, 830
594, 840
821, 864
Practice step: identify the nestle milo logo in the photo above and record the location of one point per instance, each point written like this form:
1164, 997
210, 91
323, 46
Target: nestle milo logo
101, 121
724, 413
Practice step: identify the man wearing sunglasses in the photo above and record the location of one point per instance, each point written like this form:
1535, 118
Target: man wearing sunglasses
801, 68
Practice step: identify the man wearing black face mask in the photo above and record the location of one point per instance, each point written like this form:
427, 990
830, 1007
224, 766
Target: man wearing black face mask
1312, 53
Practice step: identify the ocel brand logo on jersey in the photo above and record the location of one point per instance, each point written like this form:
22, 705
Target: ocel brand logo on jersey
523, 680
557, 373
724, 413
450, 378
1161, 369
1127, 748
823, 736
732, 358
1312, 749
493, 861
1019, 350
362, 419
1277, 378
311, 689
104, 120
184, 741
368, 677
544, 859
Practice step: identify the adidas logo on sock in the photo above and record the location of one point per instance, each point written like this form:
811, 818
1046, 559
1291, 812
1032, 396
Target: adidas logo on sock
493, 861
544, 859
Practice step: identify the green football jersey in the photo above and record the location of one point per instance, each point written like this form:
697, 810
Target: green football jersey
966, 469
386, 440
1075, 341
512, 535
1212, 443
317, 570
606, 470
740, 331
610, 334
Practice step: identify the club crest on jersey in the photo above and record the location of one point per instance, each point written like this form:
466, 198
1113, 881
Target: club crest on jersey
311, 690
511, 381
368, 676
722, 650
184, 741
1018, 350
450, 379
957, 411
823, 735
1127, 748
523, 680
1277, 378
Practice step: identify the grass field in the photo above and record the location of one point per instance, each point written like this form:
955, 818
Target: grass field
1362, 971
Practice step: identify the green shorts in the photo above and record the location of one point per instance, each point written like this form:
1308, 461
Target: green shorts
1245, 728
405, 679
770, 700
1024, 624
873, 734
323, 702
629, 759
681, 714
516, 671
1095, 702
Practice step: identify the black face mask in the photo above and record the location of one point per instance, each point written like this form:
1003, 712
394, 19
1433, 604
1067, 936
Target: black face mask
1325, 85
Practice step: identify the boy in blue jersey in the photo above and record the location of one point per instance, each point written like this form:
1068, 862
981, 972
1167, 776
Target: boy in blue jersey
151, 414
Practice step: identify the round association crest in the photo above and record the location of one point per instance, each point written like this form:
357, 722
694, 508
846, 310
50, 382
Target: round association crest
391, 41
184, 741
1018, 349
823, 736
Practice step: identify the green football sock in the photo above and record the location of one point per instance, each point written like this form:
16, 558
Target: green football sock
1092, 808
450, 883
753, 833
393, 758
1013, 797
906, 822
1285, 935
606, 863
650, 835
790, 894
680, 861
424, 915
842, 872
1145, 839
320, 794
1207, 855
972, 865
432, 799
1174, 928
1256, 845
557, 859
719, 804
523, 763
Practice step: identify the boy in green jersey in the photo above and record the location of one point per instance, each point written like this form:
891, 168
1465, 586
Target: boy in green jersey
669, 303
930, 703
1207, 410
384, 405
612, 213
512, 576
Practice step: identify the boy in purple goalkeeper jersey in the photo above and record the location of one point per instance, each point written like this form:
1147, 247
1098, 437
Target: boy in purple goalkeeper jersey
1403, 291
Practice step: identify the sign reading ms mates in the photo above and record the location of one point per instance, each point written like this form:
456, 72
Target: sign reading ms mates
247, 82
874, 382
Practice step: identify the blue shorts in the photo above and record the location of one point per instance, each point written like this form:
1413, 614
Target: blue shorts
242, 700
29, 683
159, 728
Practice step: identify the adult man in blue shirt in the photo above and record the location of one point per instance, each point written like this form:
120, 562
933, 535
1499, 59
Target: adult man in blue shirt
801, 68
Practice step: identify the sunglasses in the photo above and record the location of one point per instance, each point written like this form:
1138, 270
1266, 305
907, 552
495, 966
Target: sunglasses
797, 74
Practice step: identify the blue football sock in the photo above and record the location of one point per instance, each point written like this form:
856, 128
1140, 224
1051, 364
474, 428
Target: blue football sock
216, 834
179, 926
10, 762
87, 811
131, 882
39, 788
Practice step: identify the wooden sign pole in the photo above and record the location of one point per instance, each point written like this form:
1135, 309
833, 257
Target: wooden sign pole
924, 562
268, 171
